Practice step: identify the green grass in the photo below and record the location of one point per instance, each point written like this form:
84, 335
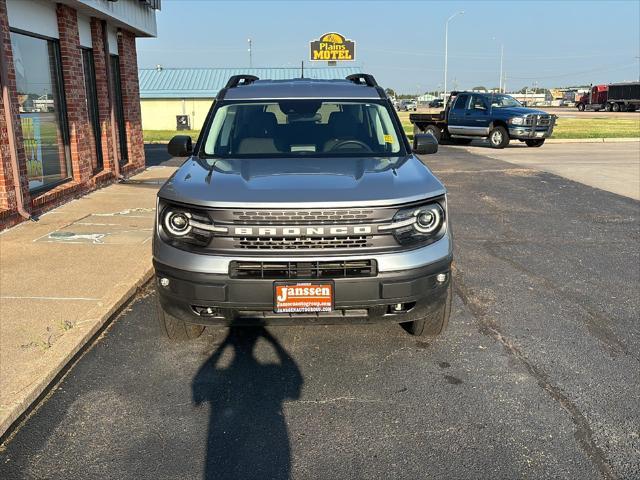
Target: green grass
163, 136
597, 128
565, 128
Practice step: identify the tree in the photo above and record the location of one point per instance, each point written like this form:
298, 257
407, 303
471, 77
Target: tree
390, 92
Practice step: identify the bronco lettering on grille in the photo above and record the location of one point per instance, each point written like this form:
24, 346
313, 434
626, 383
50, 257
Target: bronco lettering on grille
310, 231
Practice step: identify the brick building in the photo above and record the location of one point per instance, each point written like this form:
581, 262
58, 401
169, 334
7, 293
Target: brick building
70, 116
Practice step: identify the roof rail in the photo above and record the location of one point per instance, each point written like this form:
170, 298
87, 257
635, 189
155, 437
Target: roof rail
363, 79
236, 80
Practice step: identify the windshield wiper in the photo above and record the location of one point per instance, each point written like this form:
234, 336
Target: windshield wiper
210, 174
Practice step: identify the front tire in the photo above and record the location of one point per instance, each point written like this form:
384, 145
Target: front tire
498, 137
535, 142
581, 107
434, 324
174, 328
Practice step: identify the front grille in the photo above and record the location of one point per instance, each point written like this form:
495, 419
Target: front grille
303, 243
300, 217
266, 231
538, 120
544, 120
306, 270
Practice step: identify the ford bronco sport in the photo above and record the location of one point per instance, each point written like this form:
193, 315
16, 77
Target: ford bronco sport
302, 203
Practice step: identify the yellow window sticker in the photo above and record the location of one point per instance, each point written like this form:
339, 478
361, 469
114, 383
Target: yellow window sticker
388, 139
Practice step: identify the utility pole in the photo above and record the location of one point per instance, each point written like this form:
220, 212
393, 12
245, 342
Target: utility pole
250, 59
446, 48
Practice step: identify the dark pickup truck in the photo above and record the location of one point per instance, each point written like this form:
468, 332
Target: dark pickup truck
495, 116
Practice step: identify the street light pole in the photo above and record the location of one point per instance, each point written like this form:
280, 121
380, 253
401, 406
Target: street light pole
250, 59
446, 49
501, 58
500, 79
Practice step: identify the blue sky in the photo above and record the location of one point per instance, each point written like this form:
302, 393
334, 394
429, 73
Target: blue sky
548, 43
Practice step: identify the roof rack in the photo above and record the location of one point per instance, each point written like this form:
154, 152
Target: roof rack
363, 79
236, 80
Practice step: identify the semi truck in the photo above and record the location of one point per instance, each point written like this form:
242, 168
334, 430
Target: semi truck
615, 97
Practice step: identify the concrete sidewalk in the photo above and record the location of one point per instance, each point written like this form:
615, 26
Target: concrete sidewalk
62, 277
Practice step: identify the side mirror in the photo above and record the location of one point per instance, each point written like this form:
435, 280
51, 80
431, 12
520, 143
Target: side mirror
180, 146
425, 143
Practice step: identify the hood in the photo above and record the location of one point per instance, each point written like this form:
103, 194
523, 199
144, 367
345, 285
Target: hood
314, 182
519, 111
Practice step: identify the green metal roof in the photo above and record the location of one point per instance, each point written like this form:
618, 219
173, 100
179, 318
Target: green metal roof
206, 82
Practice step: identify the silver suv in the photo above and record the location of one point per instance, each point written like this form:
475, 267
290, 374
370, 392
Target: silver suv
302, 202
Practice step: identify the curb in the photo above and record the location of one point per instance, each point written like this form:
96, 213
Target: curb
29, 404
594, 140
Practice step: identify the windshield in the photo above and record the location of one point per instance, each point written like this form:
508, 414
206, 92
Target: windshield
499, 101
294, 128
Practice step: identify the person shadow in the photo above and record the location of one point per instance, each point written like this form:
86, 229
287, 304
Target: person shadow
248, 436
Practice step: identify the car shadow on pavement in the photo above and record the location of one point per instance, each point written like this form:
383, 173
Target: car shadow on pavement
248, 436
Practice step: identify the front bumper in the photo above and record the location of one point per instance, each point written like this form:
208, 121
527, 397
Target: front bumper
250, 301
529, 133
534, 128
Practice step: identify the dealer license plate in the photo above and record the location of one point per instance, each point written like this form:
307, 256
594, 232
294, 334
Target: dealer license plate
303, 297
540, 134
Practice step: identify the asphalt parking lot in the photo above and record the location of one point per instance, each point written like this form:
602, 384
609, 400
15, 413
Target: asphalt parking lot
537, 376
614, 167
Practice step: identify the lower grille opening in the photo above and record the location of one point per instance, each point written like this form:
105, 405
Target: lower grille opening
306, 270
341, 312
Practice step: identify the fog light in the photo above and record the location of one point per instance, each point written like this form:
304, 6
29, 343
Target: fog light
441, 277
398, 307
204, 311
164, 282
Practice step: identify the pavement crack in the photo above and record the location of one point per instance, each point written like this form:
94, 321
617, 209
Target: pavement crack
583, 433
341, 399
595, 322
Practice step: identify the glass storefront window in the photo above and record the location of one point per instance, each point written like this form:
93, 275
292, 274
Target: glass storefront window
119, 107
89, 68
41, 108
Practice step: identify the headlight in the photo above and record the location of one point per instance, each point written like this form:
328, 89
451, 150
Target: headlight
177, 223
429, 219
185, 225
423, 224
517, 121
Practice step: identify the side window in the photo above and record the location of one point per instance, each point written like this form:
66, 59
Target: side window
478, 103
461, 102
